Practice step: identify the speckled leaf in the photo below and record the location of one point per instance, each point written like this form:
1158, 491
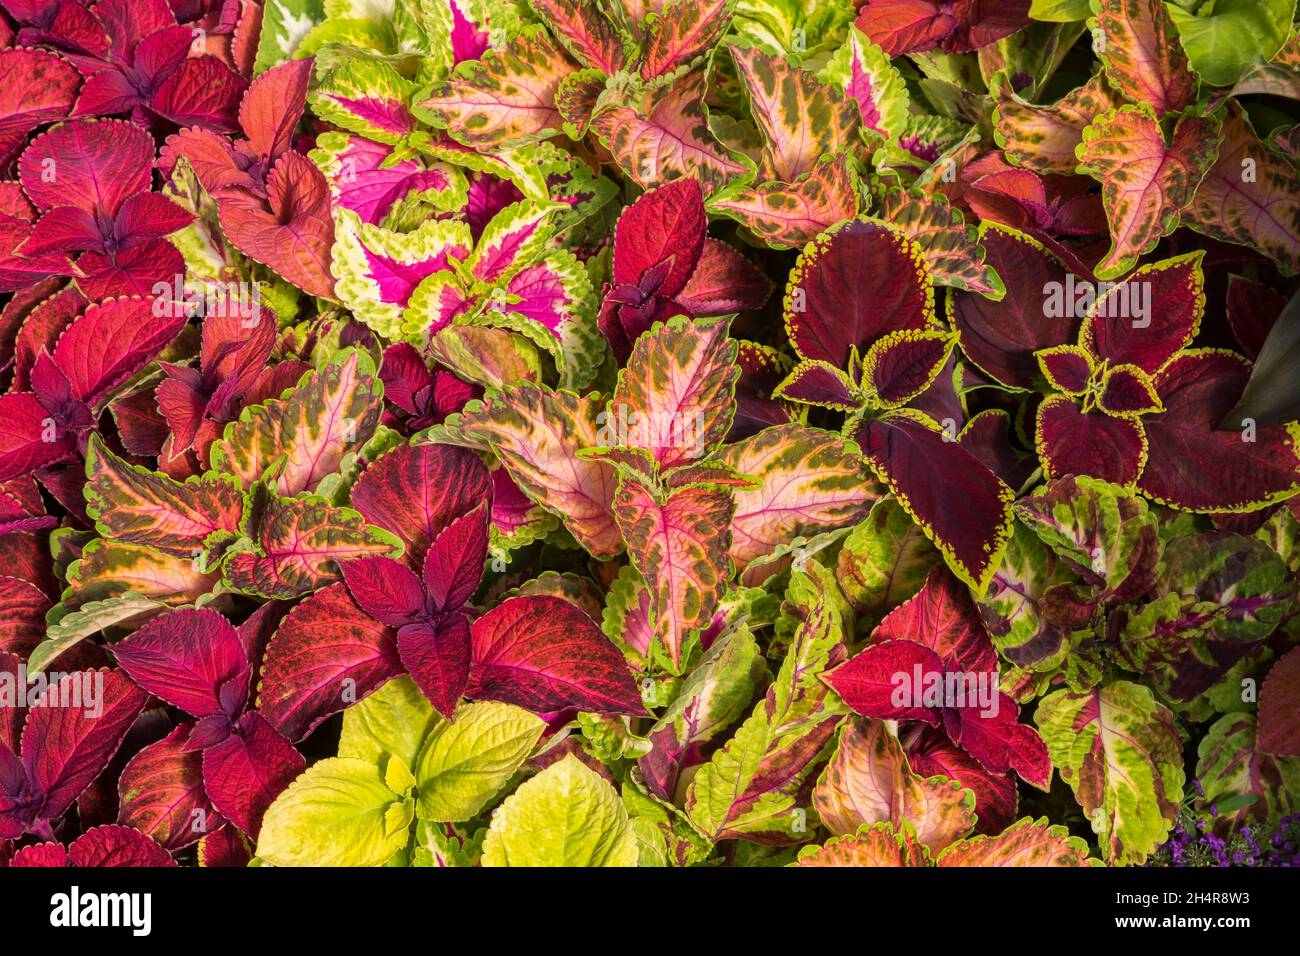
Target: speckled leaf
1121, 754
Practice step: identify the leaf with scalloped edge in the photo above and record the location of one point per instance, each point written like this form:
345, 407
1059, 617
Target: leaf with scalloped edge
567, 815
378, 271
864, 72
679, 545
127, 611
663, 134
808, 481
1106, 534
853, 285
953, 250
1044, 137
325, 655
881, 844
307, 433
109, 569
1249, 196
1071, 441
1149, 317
537, 434
1026, 842
1197, 461
1141, 54
505, 98
884, 560
1002, 338
1234, 764
868, 780
161, 792
966, 512
800, 118
1121, 753
586, 32
752, 786
681, 31
903, 364
368, 97
367, 178
1146, 181
292, 546
676, 392
132, 504
787, 215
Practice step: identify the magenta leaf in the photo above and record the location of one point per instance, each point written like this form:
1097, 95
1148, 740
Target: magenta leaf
187, 657
246, 772
437, 655
326, 653
544, 654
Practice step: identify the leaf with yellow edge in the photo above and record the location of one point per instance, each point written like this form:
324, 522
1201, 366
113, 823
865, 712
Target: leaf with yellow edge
1026, 842
677, 391
537, 433
1044, 138
881, 844
1146, 181
505, 98
800, 118
787, 215
109, 568
1260, 210
132, 504
1141, 53
292, 546
807, 481
331, 413
679, 545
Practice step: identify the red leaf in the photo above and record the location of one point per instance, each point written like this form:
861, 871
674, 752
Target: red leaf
870, 682
437, 656
161, 788
295, 235
453, 565
996, 799
272, 107
664, 226
326, 654
1149, 317
1195, 466
1072, 442
1000, 742
415, 491
24, 423
246, 772
186, 657
385, 589
852, 285
201, 91
64, 747
545, 654
966, 512
117, 846
94, 165
943, 617
111, 342
723, 282
1279, 702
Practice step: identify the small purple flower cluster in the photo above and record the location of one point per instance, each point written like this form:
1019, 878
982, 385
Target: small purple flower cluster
1194, 843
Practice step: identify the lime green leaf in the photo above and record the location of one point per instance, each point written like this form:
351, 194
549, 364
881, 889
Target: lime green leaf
338, 813
567, 815
1120, 752
393, 722
1225, 38
469, 758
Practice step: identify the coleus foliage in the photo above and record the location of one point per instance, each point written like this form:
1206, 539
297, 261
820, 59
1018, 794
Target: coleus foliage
433, 381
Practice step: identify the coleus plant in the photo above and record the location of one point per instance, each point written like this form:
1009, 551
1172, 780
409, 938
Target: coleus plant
510, 463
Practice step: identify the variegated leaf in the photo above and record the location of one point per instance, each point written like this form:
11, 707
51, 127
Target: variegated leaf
310, 430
